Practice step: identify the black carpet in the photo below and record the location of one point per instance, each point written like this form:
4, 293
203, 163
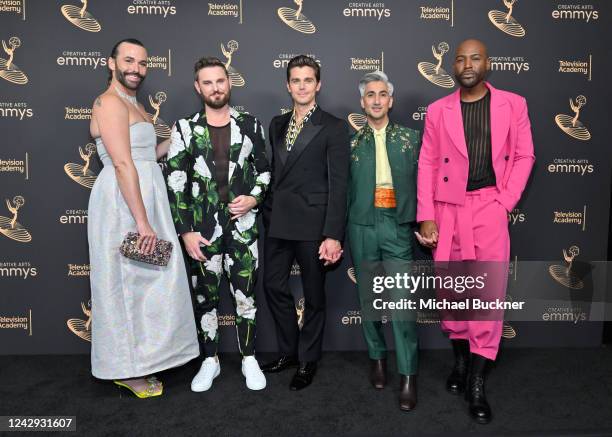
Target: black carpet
531, 391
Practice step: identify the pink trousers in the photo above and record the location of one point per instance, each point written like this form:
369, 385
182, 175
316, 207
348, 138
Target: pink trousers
476, 230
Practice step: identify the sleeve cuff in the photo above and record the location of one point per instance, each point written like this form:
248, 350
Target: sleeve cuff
183, 228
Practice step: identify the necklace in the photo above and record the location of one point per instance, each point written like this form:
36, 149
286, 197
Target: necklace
295, 128
131, 99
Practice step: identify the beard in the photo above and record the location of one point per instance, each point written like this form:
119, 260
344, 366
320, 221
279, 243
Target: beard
120, 76
472, 81
217, 103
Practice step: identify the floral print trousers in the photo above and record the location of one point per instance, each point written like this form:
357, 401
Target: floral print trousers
233, 255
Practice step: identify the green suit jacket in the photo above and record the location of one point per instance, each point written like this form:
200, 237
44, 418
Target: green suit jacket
403, 146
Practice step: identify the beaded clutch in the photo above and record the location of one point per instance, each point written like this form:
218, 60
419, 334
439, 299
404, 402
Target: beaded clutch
159, 257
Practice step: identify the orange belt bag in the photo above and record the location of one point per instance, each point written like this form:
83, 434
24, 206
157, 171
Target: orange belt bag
384, 198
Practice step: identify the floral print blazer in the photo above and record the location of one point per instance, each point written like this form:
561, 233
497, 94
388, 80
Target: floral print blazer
192, 188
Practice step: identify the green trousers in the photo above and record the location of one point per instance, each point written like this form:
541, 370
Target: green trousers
388, 244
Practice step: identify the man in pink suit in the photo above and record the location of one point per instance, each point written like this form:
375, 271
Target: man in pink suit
475, 160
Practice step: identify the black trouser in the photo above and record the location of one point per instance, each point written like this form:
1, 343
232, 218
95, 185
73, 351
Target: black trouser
278, 258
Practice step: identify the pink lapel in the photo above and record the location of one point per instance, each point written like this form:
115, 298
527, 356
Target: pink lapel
453, 121
500, 120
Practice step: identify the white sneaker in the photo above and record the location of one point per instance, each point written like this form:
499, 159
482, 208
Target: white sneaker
209, 370
255, 379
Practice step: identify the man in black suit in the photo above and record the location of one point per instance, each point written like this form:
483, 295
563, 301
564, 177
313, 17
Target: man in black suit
304, 216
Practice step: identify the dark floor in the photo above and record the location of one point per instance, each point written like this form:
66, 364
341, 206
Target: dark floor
531, 391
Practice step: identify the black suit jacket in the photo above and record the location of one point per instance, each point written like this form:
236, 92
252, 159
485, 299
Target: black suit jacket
306, 200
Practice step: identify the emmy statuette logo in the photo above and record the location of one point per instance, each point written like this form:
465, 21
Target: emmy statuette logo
81, 174
299, 309
8, 70
80, 17
10, 227
357, 121
235, 77
162, 130
571, 125
434, 72
82, 328
295, 19
505, 22
564, 274
351, 274
508, 331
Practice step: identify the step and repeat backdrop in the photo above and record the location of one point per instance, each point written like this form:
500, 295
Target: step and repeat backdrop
53, 65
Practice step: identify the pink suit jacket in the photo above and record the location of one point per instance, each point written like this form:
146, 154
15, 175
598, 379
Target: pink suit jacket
443, 161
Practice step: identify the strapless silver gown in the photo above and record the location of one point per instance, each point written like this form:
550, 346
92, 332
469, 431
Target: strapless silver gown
142, 315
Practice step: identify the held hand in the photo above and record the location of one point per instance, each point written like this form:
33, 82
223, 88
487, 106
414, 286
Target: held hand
193, 241
428, 234
330, 251
146, 238
241, 205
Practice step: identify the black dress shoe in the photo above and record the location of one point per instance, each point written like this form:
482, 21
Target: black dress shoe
457, 380
408, 393
280, 364
378, 373
303, 376
475, 394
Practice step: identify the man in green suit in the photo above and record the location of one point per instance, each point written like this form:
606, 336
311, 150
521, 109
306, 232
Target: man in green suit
381, 209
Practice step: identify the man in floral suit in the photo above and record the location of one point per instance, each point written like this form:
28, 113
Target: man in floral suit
217, 176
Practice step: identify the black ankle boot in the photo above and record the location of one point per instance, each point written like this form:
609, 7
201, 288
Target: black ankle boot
475, 394
456, 381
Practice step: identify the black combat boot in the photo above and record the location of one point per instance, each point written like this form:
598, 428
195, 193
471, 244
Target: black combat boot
475, 394
456, 381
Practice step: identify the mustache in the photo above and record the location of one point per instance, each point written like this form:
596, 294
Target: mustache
134, 74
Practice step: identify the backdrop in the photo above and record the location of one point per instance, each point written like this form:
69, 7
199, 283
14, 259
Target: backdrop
53, 65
